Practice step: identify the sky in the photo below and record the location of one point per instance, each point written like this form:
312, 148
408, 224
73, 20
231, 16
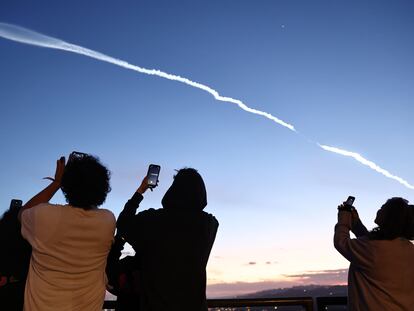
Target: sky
340, 71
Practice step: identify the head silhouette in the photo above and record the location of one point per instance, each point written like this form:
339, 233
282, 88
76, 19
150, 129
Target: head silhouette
85, 182
186, 192
395, 219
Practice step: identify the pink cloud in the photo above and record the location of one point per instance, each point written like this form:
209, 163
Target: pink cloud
229, 290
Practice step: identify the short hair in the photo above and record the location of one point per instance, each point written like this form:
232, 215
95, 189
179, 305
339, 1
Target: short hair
397, 221
85, 182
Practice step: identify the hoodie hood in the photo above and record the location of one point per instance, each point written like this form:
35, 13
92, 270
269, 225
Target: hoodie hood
187, 191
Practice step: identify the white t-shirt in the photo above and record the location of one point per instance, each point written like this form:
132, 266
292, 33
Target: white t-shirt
69, 250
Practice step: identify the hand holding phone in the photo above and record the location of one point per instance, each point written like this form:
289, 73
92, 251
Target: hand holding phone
152, 175
349, 201
347, 205
150, 181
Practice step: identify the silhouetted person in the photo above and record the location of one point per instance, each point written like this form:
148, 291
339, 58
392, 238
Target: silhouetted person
381, 274
173, 244
70, 243
123, 277
14, 261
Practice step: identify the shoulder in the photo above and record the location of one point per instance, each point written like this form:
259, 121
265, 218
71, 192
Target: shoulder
211, 218
41, 210
104, 216
105, 213
149, 213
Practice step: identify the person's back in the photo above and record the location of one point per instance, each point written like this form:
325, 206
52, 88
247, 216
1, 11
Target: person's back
173, 244
381, 275
174, 252
70, 245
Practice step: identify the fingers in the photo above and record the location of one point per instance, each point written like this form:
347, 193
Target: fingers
144, 185
61, 161
60, 168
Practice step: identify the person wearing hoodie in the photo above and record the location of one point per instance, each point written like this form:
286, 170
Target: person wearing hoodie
172, 243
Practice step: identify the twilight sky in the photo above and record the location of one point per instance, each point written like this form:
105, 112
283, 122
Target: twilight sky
341, 71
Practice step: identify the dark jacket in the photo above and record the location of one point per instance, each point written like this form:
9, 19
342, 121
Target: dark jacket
14, 262
173, 245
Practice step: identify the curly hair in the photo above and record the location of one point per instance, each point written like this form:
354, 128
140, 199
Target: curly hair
85, 182
397, 221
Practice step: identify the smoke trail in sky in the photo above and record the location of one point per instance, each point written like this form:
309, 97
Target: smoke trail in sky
19, 34
366, 162
23, 35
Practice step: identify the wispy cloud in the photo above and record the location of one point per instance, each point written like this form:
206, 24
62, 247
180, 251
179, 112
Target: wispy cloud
338, 276
318, 277
239, 288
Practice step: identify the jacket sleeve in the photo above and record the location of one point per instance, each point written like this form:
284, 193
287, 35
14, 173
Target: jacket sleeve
358, 228
125, 222
357, 251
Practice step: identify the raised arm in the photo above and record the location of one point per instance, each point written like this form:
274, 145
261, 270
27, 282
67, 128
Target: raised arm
46, 194
358, 227
342, 237
357, 251
125, 220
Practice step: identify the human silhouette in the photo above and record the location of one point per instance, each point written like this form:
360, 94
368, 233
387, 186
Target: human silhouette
173, 244
70, 243
381, 272
14, 261
123, 277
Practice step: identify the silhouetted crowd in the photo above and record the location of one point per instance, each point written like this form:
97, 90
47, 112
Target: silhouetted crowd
65, 257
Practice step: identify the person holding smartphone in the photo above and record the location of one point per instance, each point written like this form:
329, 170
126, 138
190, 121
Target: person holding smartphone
172, 244
381, 272
70, 243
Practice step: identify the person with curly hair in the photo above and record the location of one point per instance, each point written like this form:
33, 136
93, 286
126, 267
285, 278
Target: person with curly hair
70, 243
381, 273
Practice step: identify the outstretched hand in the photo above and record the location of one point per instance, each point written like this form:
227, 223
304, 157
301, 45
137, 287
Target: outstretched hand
60, 169
46, 194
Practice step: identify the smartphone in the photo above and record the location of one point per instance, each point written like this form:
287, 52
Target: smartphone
349, 201
76, 154
152, 175
15, 204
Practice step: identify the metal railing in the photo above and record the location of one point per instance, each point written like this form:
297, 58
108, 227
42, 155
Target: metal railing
306, 302
324, 302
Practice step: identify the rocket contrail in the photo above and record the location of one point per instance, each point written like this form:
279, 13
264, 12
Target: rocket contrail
23, 35
370, 164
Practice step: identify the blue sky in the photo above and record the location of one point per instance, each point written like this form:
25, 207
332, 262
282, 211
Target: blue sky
340, 71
